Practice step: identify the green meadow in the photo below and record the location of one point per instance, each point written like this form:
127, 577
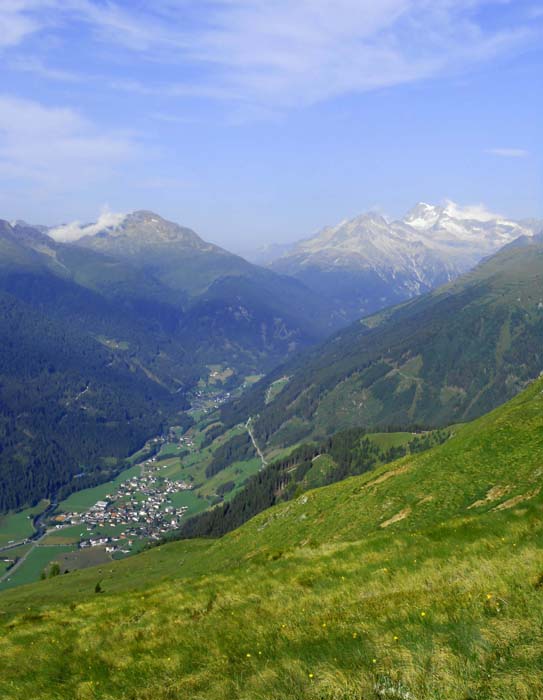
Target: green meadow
82, 500
36, 562
17, 526
421, 580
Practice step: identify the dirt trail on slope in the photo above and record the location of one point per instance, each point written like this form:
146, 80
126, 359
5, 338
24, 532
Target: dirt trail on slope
255, 445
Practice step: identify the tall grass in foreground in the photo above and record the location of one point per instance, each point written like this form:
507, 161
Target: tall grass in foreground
320, 598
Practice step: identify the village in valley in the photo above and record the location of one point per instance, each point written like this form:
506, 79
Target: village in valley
165, 484
141, 506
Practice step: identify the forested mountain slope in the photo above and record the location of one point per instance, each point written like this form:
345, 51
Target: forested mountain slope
273, 313
78, 322
69, 406
421, 579
442, 358
90, 366
210, 301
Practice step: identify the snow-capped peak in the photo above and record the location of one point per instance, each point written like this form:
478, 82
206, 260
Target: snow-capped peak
423, 216
431, 242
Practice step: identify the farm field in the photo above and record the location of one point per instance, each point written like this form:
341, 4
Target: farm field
38, 560
9, 555
387, 440
17, 526
83, 558
65, 535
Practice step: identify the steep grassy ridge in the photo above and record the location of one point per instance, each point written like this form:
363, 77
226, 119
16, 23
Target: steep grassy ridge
422, 580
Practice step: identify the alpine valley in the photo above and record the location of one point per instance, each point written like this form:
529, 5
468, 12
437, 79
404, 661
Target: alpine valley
441, 358
271, 351
103, 340
319, 479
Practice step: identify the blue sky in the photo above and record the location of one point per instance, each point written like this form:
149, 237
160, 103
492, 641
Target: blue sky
263, 120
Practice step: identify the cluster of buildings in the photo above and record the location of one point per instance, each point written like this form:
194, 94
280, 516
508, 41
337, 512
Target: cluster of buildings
208, 401
140, 508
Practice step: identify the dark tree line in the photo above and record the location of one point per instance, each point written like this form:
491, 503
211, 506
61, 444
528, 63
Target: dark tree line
238, 449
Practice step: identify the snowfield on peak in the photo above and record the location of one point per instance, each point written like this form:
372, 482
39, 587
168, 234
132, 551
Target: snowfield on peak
376, 262
448, 235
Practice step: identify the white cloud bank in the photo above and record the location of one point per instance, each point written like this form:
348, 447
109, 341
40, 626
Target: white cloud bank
474, 212
75, 230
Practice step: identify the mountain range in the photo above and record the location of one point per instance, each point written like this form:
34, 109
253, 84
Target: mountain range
317, 565
367, 263
440, 358
135, 311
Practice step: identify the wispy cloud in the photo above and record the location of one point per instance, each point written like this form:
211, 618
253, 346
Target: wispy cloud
473, 212
508, 152
15, 23
284, 54
29, 64
55, 146
288, 53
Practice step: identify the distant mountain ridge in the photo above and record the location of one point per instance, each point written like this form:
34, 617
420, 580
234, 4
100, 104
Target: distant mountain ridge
224, 293
441, 358
368, 262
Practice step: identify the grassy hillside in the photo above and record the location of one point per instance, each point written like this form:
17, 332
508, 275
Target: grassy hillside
442, 358
420, 580
308, 466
